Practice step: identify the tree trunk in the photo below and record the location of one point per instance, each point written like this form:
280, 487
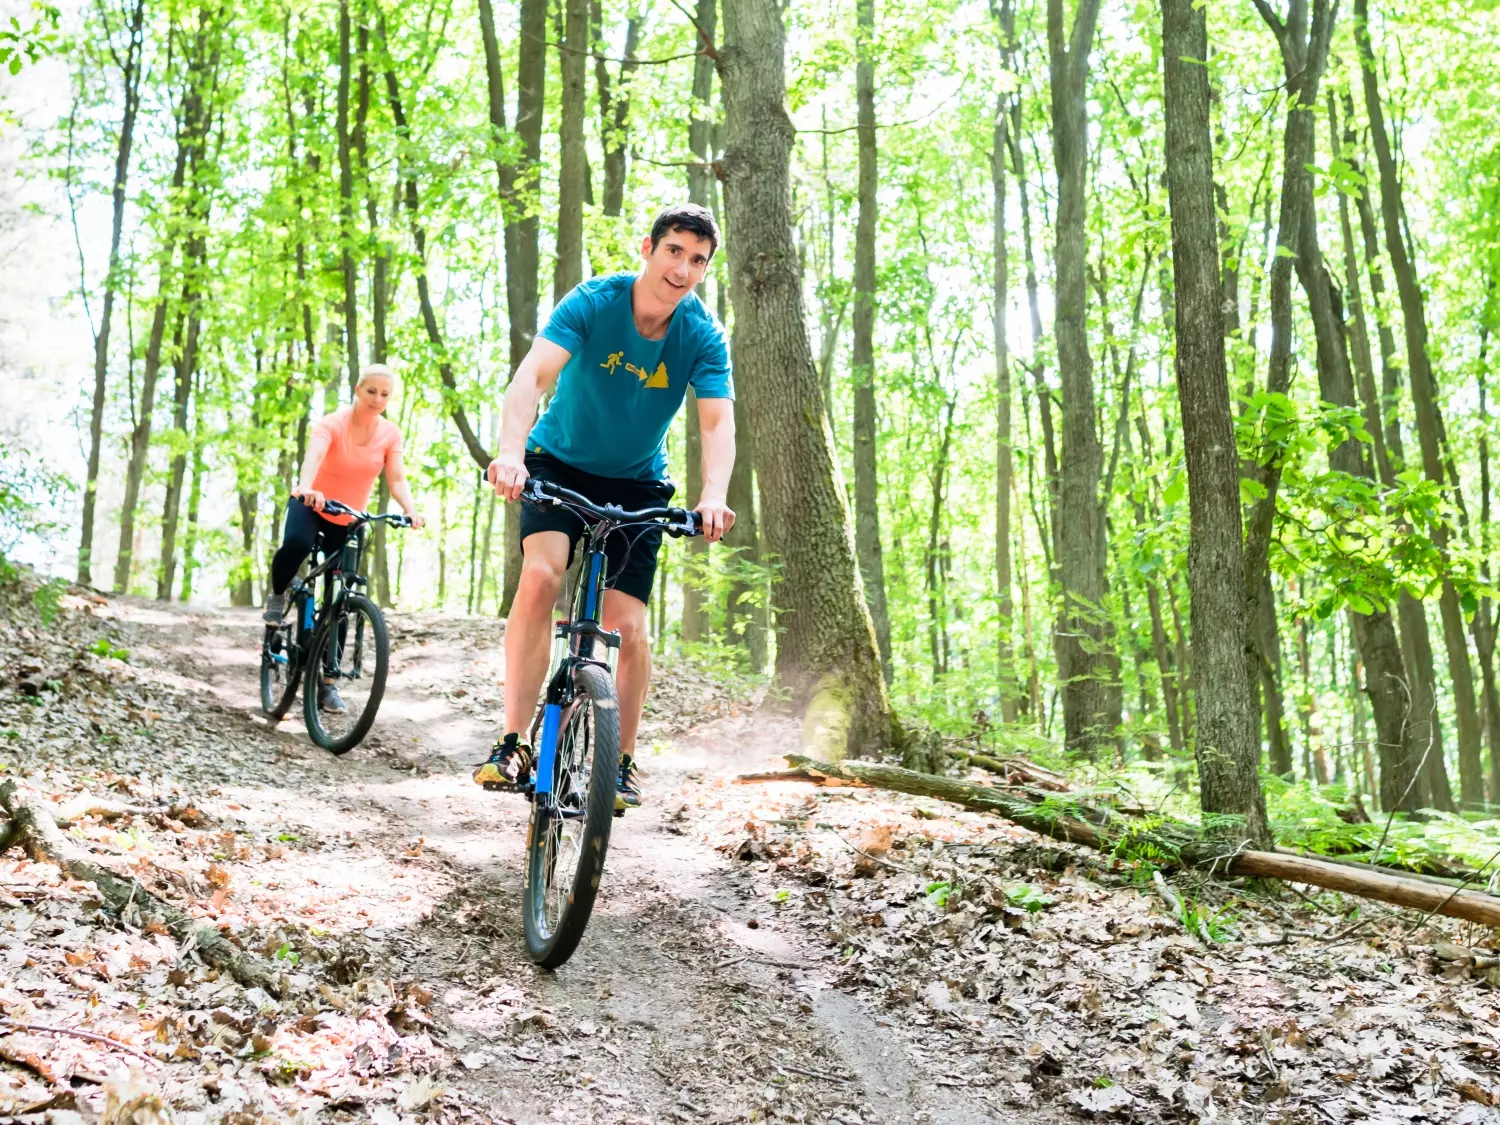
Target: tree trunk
827, 657
193, 120
614, 108
346, 202
1083, 656
573, 169
1484, 625
700, 191
1227, 747
866, 425
747, 611
412, 200
130, 80
1004, 455
1268, 652
936, 603
1429, 423
186, 369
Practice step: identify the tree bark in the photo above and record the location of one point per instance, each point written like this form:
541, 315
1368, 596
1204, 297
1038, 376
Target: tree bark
1268, 645
130, 79
866, 424
1004, 454
1227, 747
1081, 637
572, 171
1429, 422
827, 657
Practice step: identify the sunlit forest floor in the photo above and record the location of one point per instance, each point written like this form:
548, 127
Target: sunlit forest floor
761, 952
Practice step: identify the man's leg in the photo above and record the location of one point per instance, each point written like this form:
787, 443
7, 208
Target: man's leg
627, 614
528, 629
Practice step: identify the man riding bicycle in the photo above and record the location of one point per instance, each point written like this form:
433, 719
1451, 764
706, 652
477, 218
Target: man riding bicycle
621, 351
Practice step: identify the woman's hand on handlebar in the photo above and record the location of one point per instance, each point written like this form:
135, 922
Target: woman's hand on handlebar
416, 520
311, 497
508, 474
718, 518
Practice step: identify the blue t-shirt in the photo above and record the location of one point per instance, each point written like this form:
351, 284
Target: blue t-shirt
619, 392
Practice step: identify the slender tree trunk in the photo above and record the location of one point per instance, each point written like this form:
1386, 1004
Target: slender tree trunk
694, 599
346, 201
1083, 656
193, 120
186, 369
573, 169
1004, 455
827, 657
614, 109
1429, 422
936, 610
866, 425
1269, 651
130, 80
195, 499
412, 200
747, 612
1227, 749
1484, 625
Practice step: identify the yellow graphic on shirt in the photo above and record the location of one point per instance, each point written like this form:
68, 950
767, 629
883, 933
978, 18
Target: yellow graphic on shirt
654, 380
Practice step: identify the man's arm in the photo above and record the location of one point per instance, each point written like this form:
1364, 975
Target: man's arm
716, 423
536, 375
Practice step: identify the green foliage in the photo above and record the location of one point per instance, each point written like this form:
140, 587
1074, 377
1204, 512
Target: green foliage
105, 648
1029, 898
47, 598
20, 44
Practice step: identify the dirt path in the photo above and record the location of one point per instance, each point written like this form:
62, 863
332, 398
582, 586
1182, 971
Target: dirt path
766, 952
688, 999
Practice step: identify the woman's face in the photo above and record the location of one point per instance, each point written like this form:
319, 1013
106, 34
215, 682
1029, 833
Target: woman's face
374, 393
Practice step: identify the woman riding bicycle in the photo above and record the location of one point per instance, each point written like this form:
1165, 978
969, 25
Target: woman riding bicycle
345, 455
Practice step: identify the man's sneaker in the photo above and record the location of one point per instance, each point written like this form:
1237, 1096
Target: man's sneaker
508, 766
628, 792
330, 700
275, 609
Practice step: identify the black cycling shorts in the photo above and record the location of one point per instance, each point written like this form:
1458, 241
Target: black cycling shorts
630, 553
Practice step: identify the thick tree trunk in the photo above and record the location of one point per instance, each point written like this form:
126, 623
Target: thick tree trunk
827, 657
1227, 747
130, 81
1083, 657
573, 169
866, 425
700, 191
1429, 422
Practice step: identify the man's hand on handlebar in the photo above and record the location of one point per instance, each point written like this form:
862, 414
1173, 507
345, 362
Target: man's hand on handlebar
311, 497
508, 475
718, 518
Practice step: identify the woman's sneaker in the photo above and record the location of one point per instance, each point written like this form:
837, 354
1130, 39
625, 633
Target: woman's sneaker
275, 609
508, 766
628, 792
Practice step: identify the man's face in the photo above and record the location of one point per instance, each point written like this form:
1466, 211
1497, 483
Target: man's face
676, 265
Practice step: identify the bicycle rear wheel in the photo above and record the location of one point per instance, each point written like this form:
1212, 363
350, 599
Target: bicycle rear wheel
565, 844
352, 648
280, 670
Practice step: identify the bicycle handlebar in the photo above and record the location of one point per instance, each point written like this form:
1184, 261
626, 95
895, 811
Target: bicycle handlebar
678, 521
335, 508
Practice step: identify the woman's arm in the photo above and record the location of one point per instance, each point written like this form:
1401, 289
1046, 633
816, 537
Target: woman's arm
395, 478
317, 450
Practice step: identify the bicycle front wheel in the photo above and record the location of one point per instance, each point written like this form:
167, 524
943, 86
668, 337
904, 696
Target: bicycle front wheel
565, 843
349, 653
280, 670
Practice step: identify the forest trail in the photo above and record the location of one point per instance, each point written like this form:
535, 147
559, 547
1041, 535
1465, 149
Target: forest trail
761, 952
687, 1000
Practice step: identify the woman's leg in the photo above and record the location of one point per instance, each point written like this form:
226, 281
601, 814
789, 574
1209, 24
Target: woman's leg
297, 541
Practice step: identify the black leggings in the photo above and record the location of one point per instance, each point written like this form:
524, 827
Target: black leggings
303, 526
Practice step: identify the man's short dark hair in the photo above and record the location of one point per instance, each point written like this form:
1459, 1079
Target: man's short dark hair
689, 218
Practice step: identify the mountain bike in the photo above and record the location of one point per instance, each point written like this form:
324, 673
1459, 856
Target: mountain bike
343, 642
576, 736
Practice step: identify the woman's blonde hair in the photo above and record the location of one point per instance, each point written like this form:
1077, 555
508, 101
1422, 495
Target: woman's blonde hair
378, 371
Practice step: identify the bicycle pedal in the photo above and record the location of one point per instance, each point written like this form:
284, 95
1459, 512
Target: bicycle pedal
619, 813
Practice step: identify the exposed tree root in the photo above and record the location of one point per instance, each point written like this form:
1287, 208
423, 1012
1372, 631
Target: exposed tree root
1062, 818
34, 828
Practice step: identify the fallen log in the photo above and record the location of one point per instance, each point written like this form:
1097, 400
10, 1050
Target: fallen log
1008, 768
33, 828
810, 776
1061, 818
